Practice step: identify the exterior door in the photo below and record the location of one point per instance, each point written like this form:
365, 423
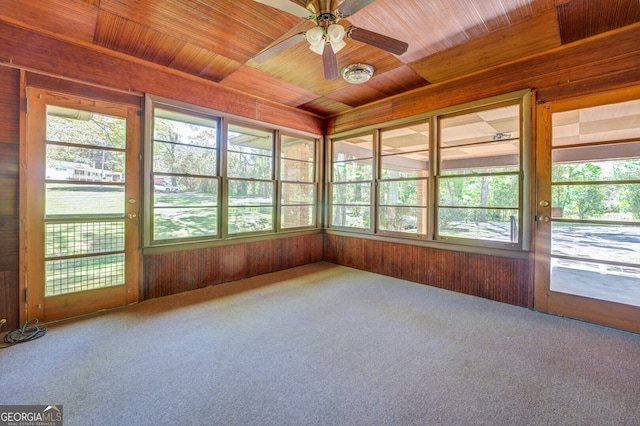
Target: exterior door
80, 192
588, 209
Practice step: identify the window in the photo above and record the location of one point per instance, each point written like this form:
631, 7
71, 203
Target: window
456, 176
478, 182
404, 172
351, 182
250, 180
298, 187
185, 182
212, 178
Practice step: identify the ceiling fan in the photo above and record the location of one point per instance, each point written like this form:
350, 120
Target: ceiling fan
327, 37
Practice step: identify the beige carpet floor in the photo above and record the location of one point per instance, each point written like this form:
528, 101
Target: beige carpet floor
327, 345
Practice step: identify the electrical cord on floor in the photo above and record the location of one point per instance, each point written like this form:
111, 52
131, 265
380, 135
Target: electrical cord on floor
29, 331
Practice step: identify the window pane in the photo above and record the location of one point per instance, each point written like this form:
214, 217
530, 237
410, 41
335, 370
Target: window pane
185, 144
353, 170
298, 149
486, 140
353, 148
351, 216
250, 193
597, 202
597, 124
479, 191
83, 199
297, 216
351, 193
249, 165
484, 126
404, 192
186, 192
405, 139
84, 164
414, 164
297, 171
249, 153
412, 220
481, 224
184, 222
85, 128
294, 193
250, 219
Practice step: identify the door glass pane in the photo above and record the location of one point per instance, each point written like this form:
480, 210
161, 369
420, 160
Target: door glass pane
84, 244
83, 200
85, 128
595, 238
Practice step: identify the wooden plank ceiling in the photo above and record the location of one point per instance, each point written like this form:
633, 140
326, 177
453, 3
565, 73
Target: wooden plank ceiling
216, 40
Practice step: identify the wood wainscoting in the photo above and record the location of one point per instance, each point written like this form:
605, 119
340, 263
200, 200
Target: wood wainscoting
497, 278
175, 272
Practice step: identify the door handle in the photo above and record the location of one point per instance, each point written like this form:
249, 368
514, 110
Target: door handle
543, 219
132, 215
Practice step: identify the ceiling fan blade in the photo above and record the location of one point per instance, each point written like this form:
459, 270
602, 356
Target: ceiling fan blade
329, 63
287, 6
378, 40
349, 7
272, 51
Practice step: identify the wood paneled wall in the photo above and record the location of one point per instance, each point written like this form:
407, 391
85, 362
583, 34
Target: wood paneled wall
492, 277
9, 156
176, 272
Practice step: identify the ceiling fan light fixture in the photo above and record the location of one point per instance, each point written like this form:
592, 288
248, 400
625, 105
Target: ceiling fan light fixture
315, 37
357, 73
335, 34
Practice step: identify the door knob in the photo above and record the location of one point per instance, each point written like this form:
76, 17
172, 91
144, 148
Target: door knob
132, 215
543, 219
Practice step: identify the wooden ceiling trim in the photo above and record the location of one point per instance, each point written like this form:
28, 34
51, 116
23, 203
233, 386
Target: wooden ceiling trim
397, 80
203, 63
585, 18
122, 35
208, 25
75, 19
535, 35
356, 95
105, 68
325, 107
272, 88
591, 60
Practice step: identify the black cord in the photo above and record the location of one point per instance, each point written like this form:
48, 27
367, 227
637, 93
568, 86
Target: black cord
29, 331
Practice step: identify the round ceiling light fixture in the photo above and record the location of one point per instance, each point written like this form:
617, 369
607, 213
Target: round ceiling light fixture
357, 73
